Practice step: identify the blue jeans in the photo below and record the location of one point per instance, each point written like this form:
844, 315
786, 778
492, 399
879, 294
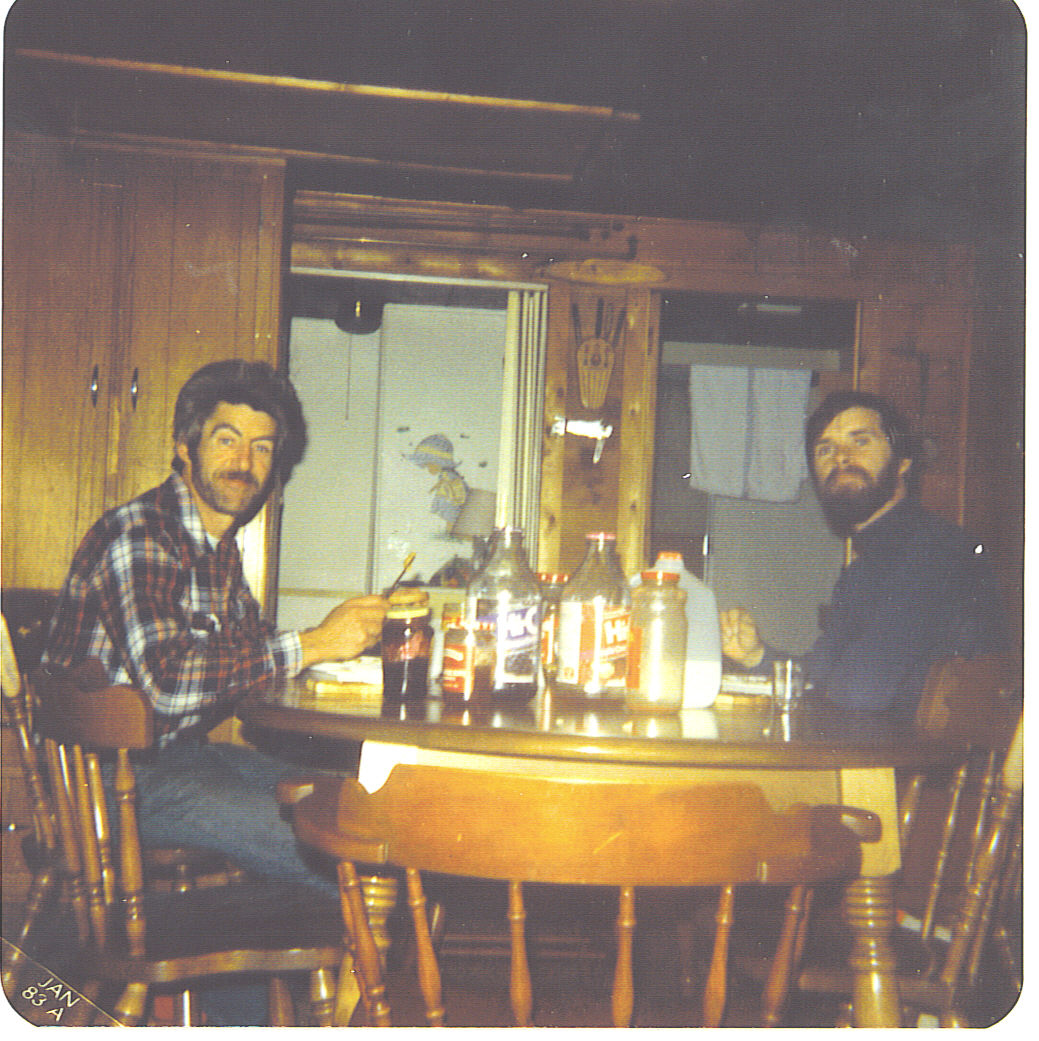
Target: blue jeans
222, 797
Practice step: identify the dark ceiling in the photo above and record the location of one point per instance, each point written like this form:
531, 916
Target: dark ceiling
899, 118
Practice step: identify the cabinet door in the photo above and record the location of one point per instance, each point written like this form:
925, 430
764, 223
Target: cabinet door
140, 268
62, 278
205, 239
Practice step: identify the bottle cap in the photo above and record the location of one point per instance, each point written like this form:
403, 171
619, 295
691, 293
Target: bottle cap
659, 578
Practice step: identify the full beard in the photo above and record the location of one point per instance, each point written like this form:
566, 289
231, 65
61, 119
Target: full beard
846, 507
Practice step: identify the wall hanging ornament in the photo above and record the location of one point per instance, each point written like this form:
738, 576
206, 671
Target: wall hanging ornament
596, 354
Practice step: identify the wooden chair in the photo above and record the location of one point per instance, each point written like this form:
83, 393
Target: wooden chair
143, 937
52, 859
955, 832
523, 828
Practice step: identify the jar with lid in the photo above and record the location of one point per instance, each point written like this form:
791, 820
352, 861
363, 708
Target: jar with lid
504, 596
703, 645
551, 591
594, 615
656, 651
406, 636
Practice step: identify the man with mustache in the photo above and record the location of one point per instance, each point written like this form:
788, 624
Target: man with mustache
917, 588
156, 592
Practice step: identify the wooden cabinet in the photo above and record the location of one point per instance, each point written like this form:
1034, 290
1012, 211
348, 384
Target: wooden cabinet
124, 272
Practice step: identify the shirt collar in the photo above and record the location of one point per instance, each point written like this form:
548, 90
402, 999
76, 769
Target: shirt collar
887, 533
189, 515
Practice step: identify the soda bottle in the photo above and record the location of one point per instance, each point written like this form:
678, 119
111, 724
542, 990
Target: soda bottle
594, 615
504, 595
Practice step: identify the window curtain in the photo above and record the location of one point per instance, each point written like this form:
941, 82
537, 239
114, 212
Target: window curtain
747, 431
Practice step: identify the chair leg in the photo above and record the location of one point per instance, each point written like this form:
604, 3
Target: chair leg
14, 952
781, 972
322, 997
716, 986
623, 1004
348, 992
869, 911
366, 954
190, 1015
520, 990
280, 1012
425, 956
130, 1007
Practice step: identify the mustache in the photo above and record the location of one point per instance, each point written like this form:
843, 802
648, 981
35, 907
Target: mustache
834, 474
239, 475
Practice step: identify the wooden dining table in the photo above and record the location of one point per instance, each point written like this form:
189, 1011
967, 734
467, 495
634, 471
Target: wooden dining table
814, 754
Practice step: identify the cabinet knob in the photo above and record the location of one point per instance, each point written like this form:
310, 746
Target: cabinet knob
94, 385
133, 391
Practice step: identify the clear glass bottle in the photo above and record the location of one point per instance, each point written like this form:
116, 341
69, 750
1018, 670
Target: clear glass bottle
505, 594
594, 615
656, 649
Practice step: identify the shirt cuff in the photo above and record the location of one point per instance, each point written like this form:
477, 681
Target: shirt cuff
286, 652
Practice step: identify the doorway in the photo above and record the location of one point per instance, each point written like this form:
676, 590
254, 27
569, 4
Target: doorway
738, 375
412, 390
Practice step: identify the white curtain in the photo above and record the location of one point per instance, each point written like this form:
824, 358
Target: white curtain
747, 431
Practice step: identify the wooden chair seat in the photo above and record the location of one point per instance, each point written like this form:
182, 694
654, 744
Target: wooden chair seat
262, 927
528, 829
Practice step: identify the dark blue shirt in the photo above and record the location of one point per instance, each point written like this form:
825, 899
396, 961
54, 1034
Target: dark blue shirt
918, 591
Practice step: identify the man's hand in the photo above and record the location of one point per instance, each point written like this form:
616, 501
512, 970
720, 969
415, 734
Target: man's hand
346, 632
740, 639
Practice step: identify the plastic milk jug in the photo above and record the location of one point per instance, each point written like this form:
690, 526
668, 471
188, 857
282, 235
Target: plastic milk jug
703, 653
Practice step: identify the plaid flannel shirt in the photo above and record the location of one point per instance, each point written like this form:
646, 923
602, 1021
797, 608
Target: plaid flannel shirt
166, 611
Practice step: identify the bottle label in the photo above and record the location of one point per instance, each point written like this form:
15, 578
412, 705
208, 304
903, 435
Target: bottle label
516, 636
593, 646
456, 675
404, 644
634, 678
549, 640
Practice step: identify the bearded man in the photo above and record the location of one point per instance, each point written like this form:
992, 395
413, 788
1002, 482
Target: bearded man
917, 588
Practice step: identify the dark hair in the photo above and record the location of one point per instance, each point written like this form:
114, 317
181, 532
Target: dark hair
894, 424
238, 382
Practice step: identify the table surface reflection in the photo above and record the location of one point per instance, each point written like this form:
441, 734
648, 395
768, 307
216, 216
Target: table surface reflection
734, 732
